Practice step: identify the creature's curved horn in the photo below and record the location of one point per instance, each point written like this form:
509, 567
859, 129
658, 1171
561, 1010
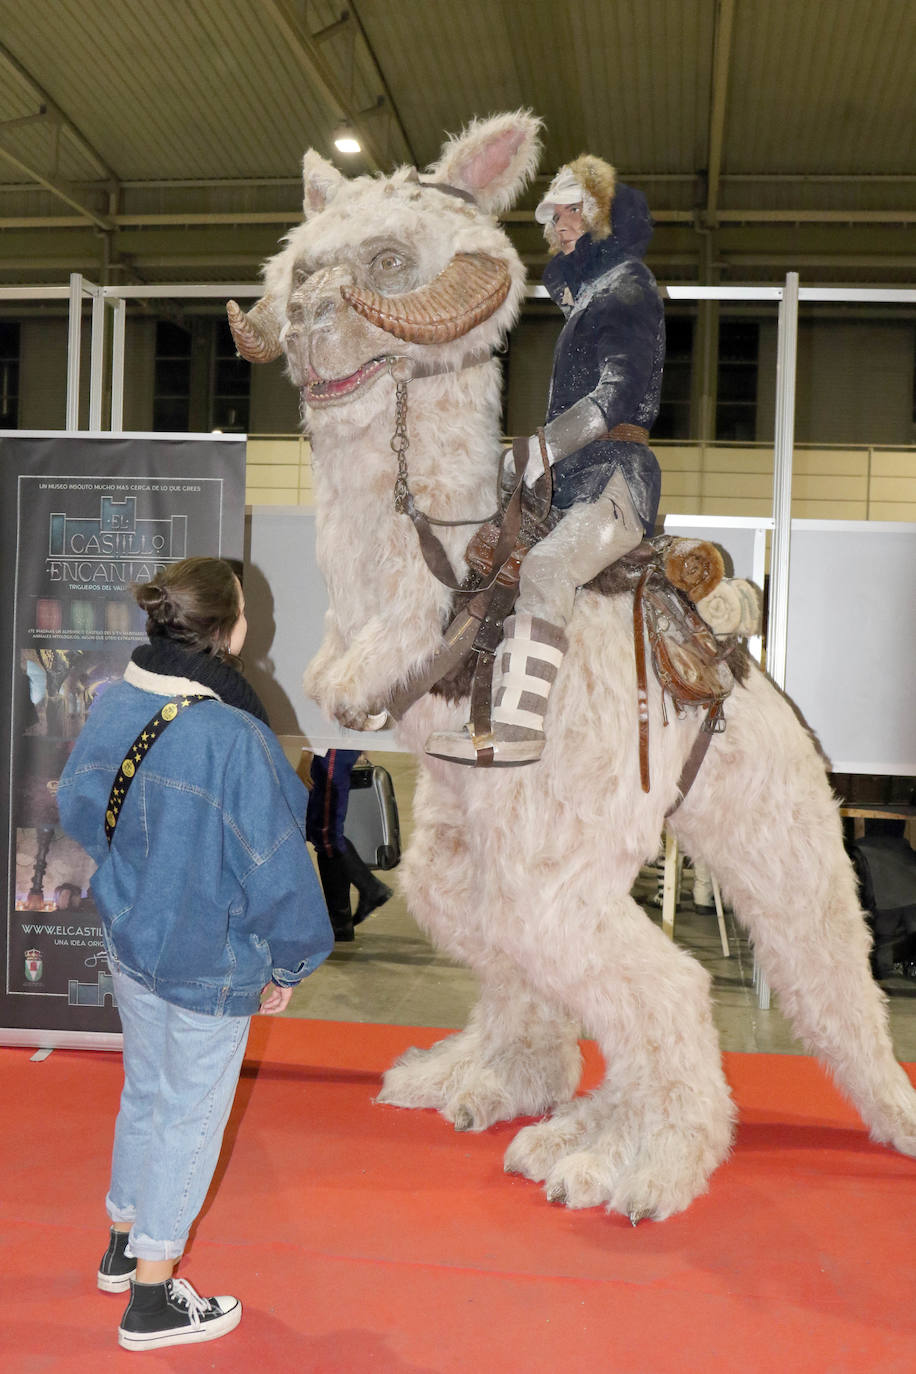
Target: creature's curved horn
464, 294
257, 333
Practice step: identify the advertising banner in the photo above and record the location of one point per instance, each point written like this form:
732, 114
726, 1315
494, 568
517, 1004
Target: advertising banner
82, 517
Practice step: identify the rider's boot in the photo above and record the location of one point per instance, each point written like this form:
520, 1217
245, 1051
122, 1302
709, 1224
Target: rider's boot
529, 659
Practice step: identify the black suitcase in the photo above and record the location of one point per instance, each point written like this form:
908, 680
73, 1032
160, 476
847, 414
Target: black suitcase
372, 825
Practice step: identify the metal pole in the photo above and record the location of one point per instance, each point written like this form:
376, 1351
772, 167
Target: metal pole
758, 573
786, 354
778, 619
97, 361
73, 351
117, 366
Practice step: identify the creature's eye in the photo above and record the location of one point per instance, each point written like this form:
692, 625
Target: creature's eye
391, 270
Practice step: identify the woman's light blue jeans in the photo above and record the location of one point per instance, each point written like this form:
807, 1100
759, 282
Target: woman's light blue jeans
181, 1069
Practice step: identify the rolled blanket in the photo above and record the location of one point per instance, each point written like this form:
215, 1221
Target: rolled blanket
734, 608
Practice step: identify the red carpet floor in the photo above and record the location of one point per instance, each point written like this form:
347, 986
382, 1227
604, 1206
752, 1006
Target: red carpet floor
364, 1238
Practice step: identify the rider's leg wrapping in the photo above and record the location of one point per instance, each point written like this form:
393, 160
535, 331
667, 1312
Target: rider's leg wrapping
588, 539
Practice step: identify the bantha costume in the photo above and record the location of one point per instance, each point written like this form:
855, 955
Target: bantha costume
604, 398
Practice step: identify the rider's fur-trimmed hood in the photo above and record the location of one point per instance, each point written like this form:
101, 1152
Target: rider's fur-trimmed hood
610, 208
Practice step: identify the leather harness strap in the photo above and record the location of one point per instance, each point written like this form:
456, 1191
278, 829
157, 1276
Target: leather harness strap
713, 722
458, 640
434, 555
642, 685
479, 625
695, 758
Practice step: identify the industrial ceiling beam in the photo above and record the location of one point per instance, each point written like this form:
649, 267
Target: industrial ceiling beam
57, 122
718, 99
53, 109
62, 189
308, 53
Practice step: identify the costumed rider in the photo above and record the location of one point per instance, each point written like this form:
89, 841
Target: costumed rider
604, 397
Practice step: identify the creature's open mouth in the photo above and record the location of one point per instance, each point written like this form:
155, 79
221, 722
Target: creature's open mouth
323, 393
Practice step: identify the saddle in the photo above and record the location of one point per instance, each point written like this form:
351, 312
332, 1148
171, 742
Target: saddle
666, 575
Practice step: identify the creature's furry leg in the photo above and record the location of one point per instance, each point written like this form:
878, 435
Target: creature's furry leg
519, 1054
515, 1057
646, 1142
761, 814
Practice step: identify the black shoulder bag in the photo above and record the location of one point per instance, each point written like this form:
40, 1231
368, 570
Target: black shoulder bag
138, 752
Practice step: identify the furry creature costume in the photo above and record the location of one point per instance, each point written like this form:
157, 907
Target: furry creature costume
525, 874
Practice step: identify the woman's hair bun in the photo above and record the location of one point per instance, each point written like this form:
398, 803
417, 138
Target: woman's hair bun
194, 603
153, 599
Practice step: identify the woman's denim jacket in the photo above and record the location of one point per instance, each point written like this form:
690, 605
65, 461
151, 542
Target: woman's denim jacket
208, 892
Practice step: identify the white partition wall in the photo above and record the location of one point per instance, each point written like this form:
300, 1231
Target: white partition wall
286, 600
851, 646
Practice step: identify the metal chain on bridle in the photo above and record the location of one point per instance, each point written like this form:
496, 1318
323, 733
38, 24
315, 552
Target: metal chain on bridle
404, 502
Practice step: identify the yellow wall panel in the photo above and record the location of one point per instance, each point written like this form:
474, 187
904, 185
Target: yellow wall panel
829, 487
893, 488
726, 479
886, 463
893, 510
265, 475
831, 462
749, 460
828, 510
270, 496
738, 485
676, 457
277, 452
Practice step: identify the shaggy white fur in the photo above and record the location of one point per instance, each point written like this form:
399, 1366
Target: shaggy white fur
525, 874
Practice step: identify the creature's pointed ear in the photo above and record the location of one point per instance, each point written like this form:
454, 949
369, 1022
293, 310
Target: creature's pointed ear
493, 159
320, 182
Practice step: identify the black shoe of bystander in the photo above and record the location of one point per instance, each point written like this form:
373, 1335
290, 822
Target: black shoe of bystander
174, 1313
115, 1268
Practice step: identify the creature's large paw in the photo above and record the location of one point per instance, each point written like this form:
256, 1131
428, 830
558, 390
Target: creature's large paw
892, 1120
335, 679
320, 668
361, 718
537, 1148
421, 1078
482, 1100
313, 679
474, 1090
639, 1173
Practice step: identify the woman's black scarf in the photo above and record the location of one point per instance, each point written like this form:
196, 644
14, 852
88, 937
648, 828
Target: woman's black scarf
169, 659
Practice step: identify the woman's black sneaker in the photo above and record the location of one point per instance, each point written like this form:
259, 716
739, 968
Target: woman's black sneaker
116, 1269
174, 1313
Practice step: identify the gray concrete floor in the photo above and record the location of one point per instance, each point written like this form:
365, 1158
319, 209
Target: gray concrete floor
391, 974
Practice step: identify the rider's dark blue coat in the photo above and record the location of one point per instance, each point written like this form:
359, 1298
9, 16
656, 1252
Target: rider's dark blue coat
611, 349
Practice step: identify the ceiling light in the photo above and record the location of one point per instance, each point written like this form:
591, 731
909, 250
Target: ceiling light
345, 139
